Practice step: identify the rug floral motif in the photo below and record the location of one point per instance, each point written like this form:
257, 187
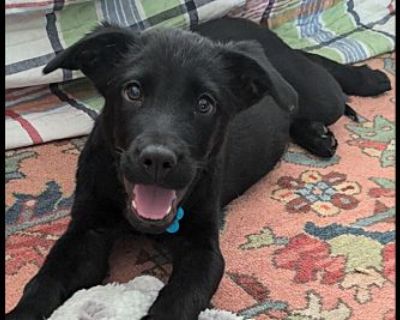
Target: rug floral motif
313, 240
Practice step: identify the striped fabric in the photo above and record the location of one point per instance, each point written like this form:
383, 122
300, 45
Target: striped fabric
44, 113
29, 6
34, 36
56, 106
346, 31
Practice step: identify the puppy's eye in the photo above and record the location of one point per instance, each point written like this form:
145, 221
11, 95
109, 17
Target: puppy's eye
205, 105
133, 91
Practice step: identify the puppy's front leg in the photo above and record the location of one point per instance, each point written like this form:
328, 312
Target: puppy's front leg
78, 259
198, 267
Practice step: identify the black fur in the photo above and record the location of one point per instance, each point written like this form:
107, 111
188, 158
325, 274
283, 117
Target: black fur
264, 91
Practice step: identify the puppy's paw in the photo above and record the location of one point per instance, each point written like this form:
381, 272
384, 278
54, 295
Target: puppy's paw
325, 144
373, 82
17, 315
316, 138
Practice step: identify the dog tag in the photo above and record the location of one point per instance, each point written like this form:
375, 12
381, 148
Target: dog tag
174, 226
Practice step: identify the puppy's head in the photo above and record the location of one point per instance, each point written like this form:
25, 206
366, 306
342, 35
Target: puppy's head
169, 96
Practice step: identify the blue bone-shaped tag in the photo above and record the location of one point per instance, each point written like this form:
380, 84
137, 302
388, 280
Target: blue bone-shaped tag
174, 226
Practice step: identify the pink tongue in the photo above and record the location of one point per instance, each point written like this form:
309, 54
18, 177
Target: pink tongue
153, 202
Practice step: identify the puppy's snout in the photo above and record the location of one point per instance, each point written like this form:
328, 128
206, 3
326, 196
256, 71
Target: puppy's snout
157, 160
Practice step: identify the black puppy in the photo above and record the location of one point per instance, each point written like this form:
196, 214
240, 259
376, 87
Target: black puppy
190, 120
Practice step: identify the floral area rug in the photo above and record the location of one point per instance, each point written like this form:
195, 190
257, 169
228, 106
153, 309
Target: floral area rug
312, 240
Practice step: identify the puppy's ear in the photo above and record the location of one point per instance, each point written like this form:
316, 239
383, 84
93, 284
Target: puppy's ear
96, 53
252, 77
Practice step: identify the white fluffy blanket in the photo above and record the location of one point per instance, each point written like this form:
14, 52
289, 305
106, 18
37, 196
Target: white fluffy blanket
127, 301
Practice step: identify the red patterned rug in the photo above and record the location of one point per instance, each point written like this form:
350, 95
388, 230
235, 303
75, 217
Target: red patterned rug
313, 240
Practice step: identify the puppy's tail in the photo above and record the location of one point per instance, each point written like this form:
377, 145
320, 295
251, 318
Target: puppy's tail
351, 113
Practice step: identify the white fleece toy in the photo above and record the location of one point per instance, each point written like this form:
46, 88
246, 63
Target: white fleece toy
127, 301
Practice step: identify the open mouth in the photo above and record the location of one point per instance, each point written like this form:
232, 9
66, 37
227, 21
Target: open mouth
152, 204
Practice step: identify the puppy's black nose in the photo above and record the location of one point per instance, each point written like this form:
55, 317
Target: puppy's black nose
157, 160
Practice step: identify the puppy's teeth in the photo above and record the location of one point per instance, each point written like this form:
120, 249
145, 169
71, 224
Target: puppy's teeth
134, 204
169, 209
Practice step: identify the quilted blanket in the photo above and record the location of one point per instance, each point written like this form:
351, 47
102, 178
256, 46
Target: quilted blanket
346, 31
54, 106
37, 30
